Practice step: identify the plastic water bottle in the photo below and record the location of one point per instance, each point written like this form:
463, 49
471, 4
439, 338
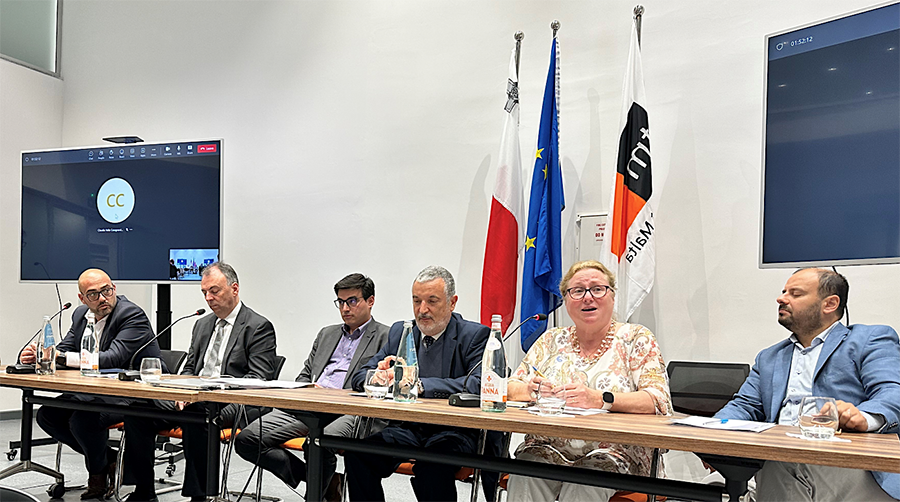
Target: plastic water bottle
493, 370
90, 348
406, 352
46, 356
406, 368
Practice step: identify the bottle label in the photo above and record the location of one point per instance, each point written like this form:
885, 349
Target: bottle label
493, 387
493, 344
48, 335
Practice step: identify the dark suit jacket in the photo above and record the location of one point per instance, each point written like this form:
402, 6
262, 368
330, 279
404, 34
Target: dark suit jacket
250, 351
372, 339
463, 349
127, 329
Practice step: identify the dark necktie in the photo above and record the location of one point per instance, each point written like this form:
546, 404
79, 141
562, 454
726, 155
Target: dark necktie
428, 340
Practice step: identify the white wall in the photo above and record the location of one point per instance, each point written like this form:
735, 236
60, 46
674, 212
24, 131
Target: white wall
31, 105
362, 136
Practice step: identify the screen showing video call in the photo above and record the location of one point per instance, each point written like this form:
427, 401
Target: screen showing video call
141, 212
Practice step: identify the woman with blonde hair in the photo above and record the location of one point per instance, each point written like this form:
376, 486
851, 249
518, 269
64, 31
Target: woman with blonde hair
597, 363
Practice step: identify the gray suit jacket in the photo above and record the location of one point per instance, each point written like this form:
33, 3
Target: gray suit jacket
250, 351
370, 342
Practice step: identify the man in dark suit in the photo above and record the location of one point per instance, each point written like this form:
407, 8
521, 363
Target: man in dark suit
449, 348
337, 353
235, 341
123, 329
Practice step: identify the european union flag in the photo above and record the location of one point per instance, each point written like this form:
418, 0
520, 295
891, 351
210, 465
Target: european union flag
543, 241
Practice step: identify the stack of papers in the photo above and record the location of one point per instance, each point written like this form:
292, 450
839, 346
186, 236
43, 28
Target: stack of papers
723, 424
197, 383
568, 410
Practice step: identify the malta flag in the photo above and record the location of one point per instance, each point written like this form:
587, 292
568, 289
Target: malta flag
629, 244
504, 237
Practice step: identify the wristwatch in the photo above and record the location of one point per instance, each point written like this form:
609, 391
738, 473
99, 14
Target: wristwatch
608, 399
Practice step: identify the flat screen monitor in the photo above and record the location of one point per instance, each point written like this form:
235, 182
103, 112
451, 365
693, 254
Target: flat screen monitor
831, 158
142, 212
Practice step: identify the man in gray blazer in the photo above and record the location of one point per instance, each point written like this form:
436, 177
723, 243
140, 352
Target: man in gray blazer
337, 353
234, 341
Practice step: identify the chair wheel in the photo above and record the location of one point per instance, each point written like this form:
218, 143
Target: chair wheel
57, 490
11, 455
170, 470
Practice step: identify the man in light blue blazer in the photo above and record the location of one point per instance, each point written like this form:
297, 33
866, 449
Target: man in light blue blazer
859, 366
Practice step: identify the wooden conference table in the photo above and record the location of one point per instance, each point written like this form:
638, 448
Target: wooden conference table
71, 381
865, 451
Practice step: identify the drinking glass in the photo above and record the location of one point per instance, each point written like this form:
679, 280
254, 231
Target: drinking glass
550, 403
377, 383
151, 369
818, 417
406, 383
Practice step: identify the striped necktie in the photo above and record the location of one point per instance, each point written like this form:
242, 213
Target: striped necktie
212, 357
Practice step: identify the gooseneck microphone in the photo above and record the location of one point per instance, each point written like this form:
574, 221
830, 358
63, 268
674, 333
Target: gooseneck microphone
468, 400
535, 317
29, 368
131, 374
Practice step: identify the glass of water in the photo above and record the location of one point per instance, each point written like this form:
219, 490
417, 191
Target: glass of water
818, 417
406, 383
550, 403
377, 383
151, 369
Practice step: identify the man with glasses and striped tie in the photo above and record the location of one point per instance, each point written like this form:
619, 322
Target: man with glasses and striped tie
233, 341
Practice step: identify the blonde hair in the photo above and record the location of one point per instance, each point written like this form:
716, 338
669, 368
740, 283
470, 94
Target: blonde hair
583, 265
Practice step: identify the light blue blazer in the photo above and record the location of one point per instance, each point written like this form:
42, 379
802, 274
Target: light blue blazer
859, 365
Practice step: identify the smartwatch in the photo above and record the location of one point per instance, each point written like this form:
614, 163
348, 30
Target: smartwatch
608, 399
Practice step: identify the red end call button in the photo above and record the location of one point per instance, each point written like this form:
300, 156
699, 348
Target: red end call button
206, 148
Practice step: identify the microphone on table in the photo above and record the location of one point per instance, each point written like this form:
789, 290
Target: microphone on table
20, 368
468, 400
131, 374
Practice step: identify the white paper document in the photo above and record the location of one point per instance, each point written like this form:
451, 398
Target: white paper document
256, 383
568, 410
723, 424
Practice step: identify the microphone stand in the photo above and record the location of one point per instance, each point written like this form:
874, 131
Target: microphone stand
129, 374
25, 369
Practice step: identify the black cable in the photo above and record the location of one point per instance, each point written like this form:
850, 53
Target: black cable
846, 308
59, 320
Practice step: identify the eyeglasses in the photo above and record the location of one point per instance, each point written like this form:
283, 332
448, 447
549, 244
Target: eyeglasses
350, 302
597, 292
107, 292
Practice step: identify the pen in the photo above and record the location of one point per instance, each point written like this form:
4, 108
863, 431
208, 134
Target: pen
538, 372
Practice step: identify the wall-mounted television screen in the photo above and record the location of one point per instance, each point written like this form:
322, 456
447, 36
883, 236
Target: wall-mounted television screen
831, 158
143, 212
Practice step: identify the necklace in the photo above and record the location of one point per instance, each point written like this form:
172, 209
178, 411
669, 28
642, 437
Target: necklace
604, 345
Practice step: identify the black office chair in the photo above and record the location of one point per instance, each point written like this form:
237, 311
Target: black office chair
8, 494
701, 388
174, 359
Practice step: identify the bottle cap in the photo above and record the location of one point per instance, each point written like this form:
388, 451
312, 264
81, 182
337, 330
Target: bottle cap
496, 318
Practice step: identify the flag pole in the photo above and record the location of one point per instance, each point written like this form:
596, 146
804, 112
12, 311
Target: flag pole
554, 317
638, 15
519, 36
